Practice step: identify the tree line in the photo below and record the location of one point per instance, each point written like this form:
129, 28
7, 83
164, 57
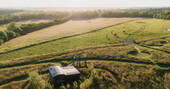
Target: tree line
162, 13
4, 19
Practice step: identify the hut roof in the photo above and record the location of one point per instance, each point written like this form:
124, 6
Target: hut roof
57, 70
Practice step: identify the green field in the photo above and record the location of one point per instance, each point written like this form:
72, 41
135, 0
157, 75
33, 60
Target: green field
117, 65
112, 66
72, 27
140, 30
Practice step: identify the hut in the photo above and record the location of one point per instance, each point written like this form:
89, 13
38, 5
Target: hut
63, 74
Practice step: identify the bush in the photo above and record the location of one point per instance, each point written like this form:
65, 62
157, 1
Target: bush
62, 87
75, 85
48, 86
35, 81
12, 26
3, 36
93, 76
1, 41
11, 34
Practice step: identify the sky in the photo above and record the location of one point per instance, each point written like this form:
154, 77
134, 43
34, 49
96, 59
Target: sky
84, 3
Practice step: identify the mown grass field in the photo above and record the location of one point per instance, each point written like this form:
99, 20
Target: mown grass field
139, 30
119, 65
69, 28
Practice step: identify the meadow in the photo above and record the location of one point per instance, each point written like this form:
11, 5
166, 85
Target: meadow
72, 27
121, 53
137, 31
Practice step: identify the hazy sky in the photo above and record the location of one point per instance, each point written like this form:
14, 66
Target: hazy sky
84, 3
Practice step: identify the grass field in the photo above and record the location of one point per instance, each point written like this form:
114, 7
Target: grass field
115, 73
159, 44
118, 65
148, 29
58, 31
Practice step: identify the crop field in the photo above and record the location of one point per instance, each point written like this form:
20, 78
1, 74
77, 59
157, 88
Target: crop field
137, 31
69, 28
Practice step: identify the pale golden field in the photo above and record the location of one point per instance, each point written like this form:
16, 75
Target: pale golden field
2, 27
58, 31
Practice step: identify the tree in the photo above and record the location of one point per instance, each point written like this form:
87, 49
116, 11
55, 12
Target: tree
1, 41
11, 34
3, 36
12, 26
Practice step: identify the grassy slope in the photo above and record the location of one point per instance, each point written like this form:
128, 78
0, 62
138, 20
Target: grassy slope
58, 31
124, 73
142, 30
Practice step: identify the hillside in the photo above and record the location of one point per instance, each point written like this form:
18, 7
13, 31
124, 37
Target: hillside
118, 70
121, 53
69, 28
137, 31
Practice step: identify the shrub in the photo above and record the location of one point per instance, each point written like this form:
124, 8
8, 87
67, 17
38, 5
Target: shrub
1, 41
11, 34
75, 85
48, 86
3, 35
68, 86
167, 80
35, 81
62, 87
93, 76
12, 26
137, 49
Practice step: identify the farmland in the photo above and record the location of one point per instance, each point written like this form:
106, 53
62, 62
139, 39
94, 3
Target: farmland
121, 53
